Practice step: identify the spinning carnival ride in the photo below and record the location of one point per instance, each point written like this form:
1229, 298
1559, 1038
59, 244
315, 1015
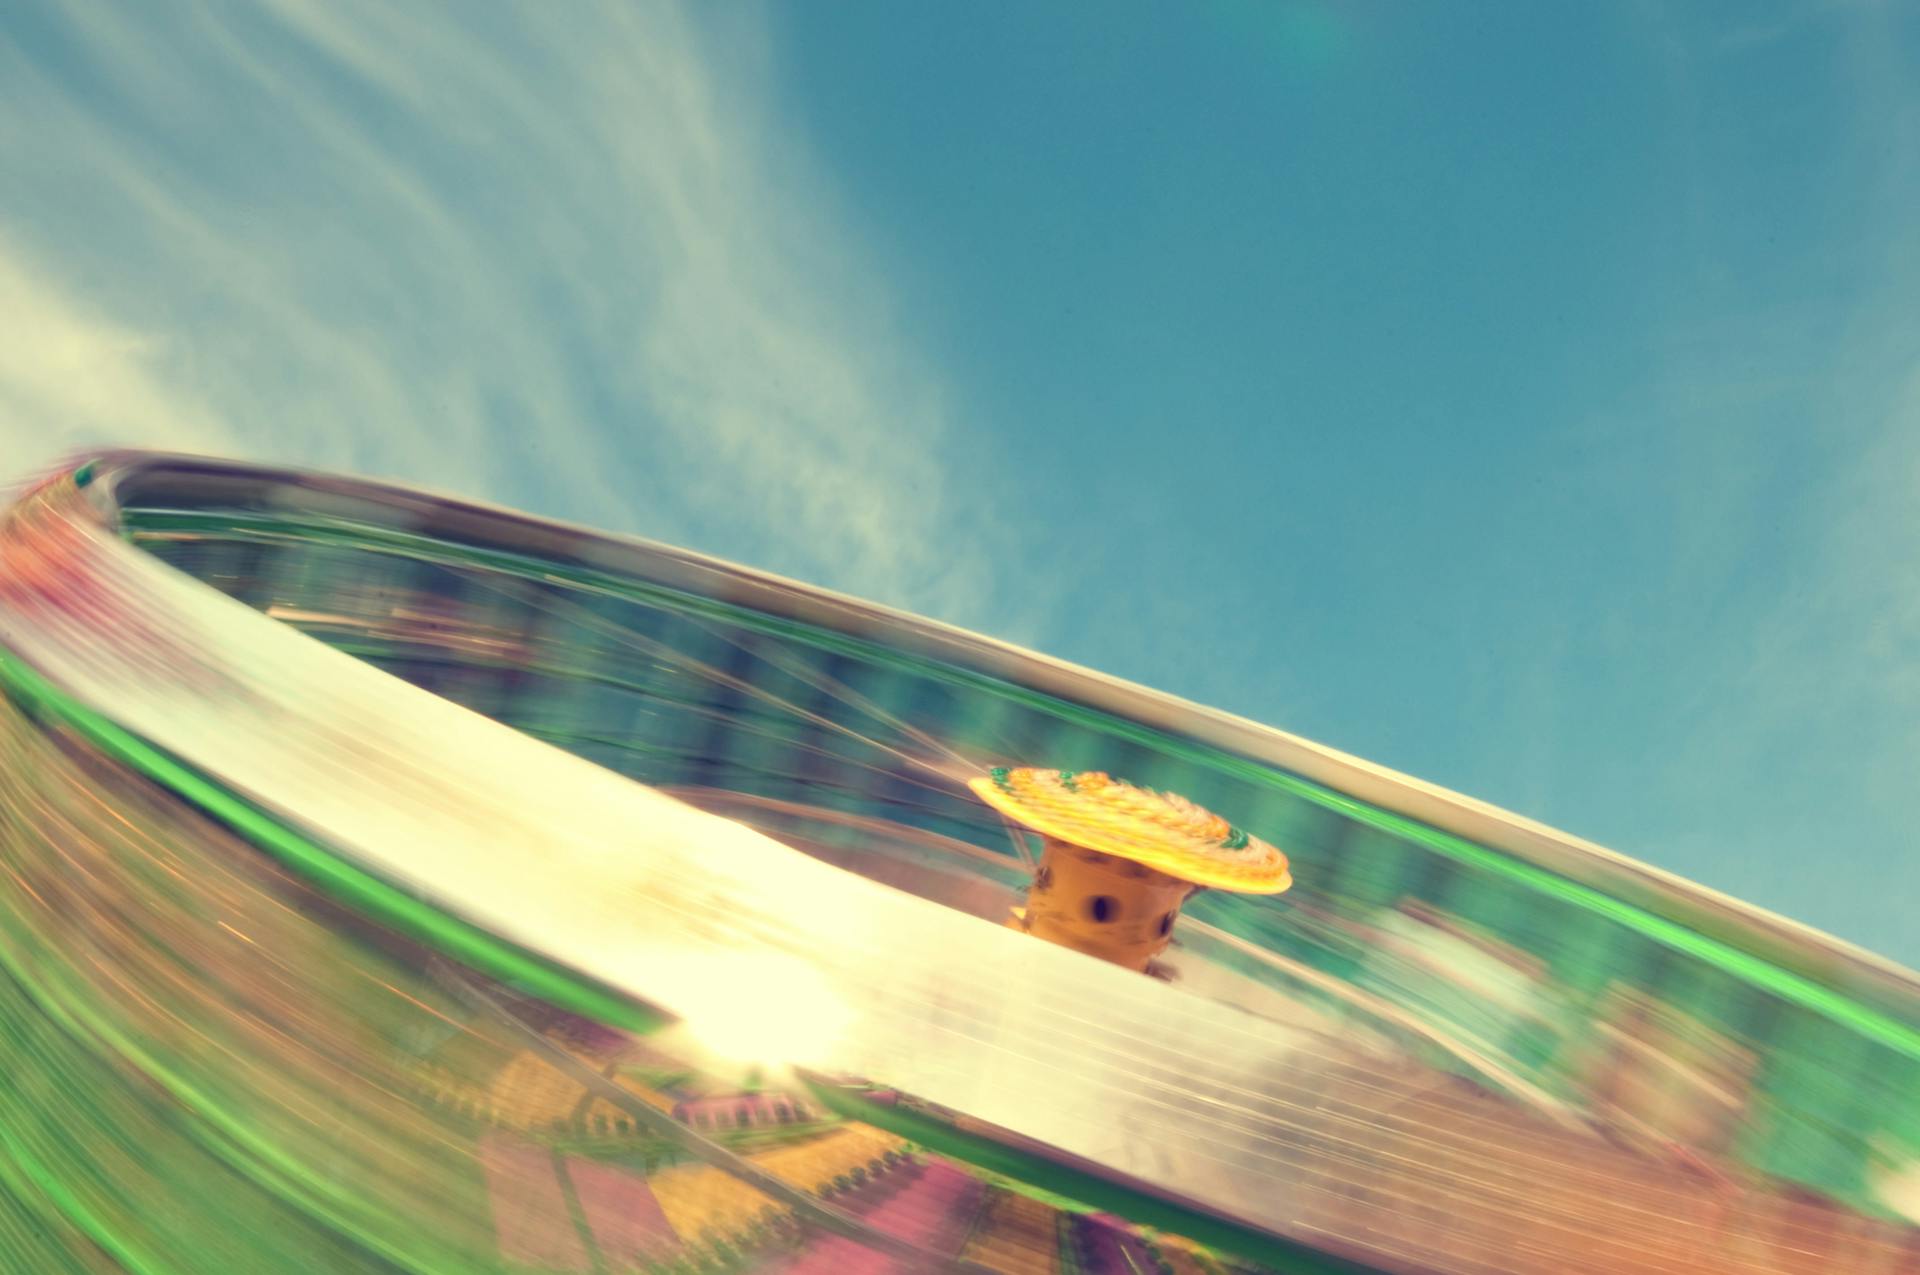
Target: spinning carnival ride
393, 883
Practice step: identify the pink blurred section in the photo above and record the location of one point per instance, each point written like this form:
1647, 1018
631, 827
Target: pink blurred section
622, 1213
530, 1215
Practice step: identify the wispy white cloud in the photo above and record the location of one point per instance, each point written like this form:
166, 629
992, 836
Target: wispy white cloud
69, 378
570, 257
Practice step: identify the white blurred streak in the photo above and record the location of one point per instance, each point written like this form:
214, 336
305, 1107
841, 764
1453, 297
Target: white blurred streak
671, 904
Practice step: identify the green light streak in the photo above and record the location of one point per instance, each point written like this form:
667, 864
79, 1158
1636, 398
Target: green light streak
366, 893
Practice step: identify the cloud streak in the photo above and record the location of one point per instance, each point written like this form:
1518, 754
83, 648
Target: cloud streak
572, 260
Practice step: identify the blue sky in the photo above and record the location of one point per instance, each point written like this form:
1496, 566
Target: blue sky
1524, 396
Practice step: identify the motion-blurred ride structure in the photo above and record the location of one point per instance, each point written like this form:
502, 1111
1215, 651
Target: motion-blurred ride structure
393, 883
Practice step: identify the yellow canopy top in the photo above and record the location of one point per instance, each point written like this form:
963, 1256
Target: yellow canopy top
1160, 830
